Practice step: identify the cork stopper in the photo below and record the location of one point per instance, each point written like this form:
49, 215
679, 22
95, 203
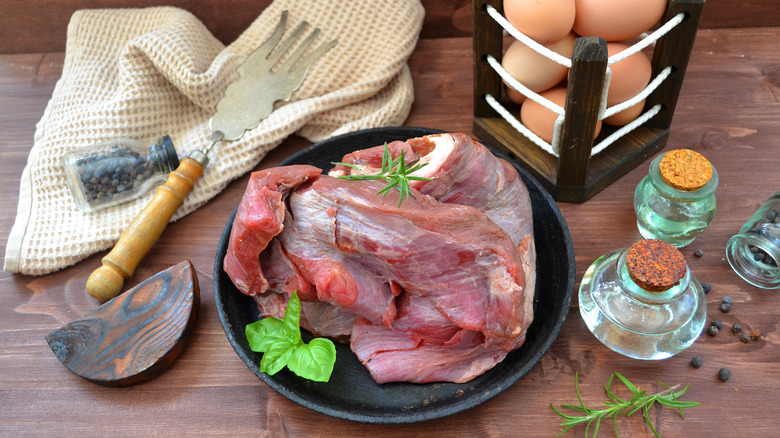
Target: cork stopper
655, 265
685, 170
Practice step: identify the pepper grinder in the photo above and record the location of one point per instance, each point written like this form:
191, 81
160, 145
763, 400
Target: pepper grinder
117, 171
643, 301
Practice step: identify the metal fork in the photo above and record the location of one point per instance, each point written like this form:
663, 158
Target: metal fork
263, 81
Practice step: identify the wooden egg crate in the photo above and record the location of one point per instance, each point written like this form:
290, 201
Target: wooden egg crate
575, 175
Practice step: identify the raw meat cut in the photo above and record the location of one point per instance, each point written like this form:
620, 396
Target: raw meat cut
258, 219
429, 291
463, 171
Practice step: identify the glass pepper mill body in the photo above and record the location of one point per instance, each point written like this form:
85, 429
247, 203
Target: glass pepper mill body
754, 252
643, 301
676, 200
116, 171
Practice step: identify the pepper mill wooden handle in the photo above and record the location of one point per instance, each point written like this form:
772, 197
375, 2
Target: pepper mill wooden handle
136, 241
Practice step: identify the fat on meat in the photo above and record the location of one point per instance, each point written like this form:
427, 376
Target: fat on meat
462, 171
439, 289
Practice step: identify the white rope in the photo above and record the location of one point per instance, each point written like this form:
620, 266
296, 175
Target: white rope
639, 97
557, 57
514, 83
518, 126
604, 112
645, 42
625, 129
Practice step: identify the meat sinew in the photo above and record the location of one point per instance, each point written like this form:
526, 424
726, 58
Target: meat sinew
428, 291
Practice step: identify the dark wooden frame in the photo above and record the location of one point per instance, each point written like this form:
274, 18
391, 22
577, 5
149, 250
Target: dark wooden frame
575, 176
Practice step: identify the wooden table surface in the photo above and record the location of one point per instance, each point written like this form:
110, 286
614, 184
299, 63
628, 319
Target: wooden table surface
729, 110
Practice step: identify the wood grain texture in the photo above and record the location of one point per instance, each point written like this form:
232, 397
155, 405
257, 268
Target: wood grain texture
135, 336
728, 110
40, 25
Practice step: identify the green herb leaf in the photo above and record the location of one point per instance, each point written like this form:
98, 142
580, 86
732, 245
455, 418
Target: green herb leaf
261, 334
276, 356
281, 344
291, 325
314, 361
617, 406
394, 172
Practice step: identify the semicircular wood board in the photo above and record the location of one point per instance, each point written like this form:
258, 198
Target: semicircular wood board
136, 335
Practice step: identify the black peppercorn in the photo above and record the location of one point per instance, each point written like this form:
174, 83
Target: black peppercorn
108, 173
712, 330
736, 328
725, 307
698, 253
706, 287
717, 324
745, 338
727, 299
724, 374
697, 362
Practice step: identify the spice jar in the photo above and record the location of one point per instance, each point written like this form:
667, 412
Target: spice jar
643, 301
117, 171
754, 253
676, 200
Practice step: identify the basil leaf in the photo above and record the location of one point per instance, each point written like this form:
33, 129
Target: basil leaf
261, 334
281, 344
292, 319
276, 357
314, 361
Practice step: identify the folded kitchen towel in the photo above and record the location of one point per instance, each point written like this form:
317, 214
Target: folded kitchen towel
144, 73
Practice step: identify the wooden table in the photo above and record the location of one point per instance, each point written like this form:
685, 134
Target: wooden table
729, 110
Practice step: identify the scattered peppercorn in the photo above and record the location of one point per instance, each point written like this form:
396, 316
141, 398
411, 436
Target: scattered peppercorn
697, 361
727, 299
745, 338
717, 324
712, 330
724, 374
698, 253
706, 287
725, 307
755, 334
736, 328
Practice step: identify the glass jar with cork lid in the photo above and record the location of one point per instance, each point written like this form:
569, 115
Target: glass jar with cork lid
117, 171
676, 200
643, 301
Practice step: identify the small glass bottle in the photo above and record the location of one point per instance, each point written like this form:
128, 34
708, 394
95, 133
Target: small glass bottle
116, 171
643, 301
676, 200
754, 253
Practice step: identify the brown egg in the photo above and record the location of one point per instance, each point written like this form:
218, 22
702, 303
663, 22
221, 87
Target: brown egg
629, 77
544, 21
540, 120
617, 20
534, 70
626, 116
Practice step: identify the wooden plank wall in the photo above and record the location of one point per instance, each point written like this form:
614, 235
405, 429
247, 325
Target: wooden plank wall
30, 26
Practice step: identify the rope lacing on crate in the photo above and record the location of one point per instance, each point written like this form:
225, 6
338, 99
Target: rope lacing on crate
604, 112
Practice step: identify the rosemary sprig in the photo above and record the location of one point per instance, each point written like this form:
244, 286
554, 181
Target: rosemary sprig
617, 406
394, 172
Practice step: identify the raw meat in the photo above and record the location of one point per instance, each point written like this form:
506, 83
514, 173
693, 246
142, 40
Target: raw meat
258, 219
463, 172
429, 291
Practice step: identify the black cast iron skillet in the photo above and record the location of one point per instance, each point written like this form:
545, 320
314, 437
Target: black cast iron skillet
351, 393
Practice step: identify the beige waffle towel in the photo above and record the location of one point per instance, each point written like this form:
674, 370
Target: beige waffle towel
143, 73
